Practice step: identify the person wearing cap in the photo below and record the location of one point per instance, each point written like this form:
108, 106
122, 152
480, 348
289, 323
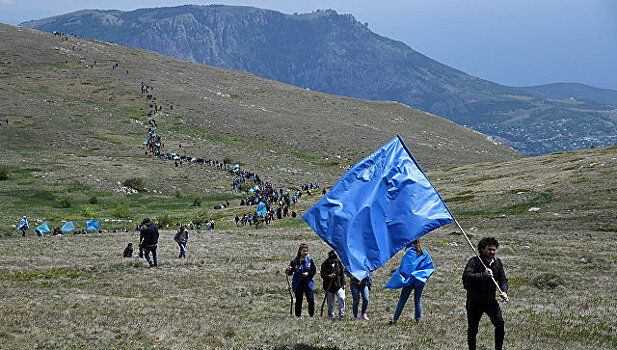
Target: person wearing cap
333, 275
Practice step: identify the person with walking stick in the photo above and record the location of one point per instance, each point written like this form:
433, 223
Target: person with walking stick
479, 279
303, 270
333, 275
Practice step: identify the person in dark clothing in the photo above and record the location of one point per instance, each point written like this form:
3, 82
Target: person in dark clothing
150, 241
303, 270
182, 237
333, 274
481, 291
128, 251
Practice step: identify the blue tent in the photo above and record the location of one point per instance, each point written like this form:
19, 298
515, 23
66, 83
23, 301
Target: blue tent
68, 227
93, 225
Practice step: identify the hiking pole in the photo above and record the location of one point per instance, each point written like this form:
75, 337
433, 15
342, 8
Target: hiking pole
291, 303
478, 256
326, 295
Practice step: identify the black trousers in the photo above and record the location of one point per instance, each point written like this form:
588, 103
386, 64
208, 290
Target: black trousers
474, 314
303, 288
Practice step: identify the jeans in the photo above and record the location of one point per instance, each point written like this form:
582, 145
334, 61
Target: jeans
303, 288
182, 249
147, 250
356, 290
474, 314
405, 293
340, 296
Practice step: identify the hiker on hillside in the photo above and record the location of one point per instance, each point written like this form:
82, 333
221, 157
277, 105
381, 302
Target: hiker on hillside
415, 270
182, 237
360, 289
303, 269
481, 291
23, 226
150, 241
333, 274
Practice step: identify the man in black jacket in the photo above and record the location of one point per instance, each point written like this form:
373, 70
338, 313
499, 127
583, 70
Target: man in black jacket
481, 291
332, 273
150, 241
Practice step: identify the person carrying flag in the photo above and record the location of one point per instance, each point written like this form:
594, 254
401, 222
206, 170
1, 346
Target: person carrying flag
481, 291
23, 226
303, 270
415, 270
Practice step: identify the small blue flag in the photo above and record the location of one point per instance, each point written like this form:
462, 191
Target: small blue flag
380, 205
68, 227
414, 271
23, 223
261, 209
43, 228
93, 225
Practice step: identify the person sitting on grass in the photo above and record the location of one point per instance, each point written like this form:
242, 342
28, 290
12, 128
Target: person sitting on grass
128, 251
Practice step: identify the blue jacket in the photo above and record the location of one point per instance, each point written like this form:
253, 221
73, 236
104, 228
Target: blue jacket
414, 271
299, 269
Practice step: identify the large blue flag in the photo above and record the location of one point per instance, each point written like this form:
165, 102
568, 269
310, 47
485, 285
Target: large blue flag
68, 227
43, 228
378, 207
93, 225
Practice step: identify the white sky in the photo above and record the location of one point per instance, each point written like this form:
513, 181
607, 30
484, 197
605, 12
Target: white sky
512, 42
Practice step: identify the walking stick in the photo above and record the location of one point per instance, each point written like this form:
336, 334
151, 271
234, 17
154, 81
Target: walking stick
326, 295
291, 304
476, 253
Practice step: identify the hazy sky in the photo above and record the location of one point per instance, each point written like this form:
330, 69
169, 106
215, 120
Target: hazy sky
512, 42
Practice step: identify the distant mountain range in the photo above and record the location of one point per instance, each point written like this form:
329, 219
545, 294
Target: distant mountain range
334, 53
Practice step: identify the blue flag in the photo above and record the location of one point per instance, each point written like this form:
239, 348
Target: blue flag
43, 228
23, 224
93, 225
378, 207
414, 270
68, 227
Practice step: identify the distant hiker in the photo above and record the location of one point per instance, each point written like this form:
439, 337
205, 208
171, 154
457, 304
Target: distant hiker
303, 270
150, 241
128, 251
237, 218
23, 226
333, 274
481, 291
415, 269
360, 289
182, 237
212, 224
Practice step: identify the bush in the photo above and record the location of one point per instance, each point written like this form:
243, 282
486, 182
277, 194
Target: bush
178, 194
164, 221
93, 200
135, 183
121, 211
88, 212
5, 171
196, 200
65, 200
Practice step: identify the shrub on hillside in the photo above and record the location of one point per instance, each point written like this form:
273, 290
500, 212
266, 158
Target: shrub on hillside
196, 200
93, 200
164, 221
121, 211
135, 183
5, 171
88, 212
65, 200
178, 194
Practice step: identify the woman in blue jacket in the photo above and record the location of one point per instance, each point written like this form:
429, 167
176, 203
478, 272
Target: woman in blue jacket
303, 270
416, 268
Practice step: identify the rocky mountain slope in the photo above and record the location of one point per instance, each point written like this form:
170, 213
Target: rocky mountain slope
334, 53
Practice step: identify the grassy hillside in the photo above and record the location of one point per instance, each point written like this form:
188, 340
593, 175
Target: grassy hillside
78, 131
76, 128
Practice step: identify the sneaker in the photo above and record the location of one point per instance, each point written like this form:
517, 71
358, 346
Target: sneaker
355, 318
392, 321
364, 317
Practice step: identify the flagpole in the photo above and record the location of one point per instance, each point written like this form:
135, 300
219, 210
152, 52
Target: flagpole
478, 256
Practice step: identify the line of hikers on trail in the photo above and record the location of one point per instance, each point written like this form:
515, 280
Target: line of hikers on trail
415, 269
